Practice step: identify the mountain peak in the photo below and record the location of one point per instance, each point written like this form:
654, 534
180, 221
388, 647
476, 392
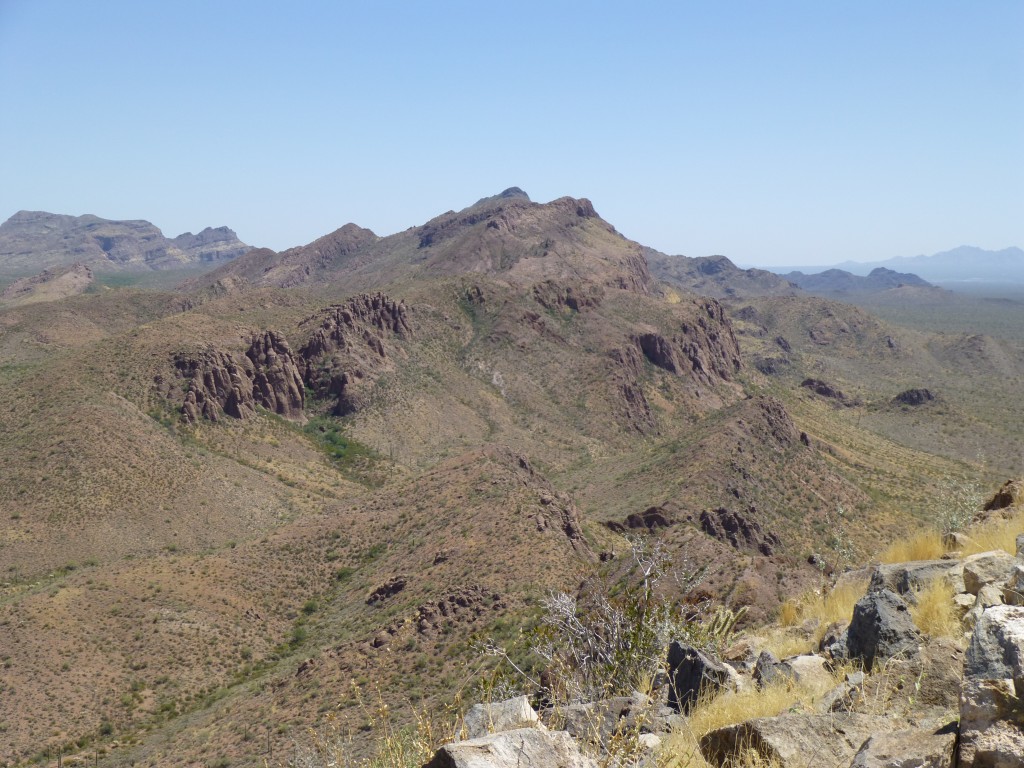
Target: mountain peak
512, 193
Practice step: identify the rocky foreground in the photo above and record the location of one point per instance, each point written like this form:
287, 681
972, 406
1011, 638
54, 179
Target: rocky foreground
892, 696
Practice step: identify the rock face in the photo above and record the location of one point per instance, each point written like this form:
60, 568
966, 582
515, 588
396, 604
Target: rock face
351, 347
220, 382
30, 240
881, 629
738, 530
991, 718
704, 348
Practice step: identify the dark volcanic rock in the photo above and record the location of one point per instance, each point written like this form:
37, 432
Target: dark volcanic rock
881, 629
824, 389
914, 397
692, 672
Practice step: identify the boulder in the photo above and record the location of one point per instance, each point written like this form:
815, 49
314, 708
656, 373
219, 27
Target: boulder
597, 722
987, 568
692, 673
991, 717
794, 741
769, 669
881, 629
810, 670
844, 697
522, 748
902, 578
482, 719
911, 748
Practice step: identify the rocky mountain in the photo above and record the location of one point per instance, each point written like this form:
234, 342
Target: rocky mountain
838, 282
716, 276
506, 235
363, 459
35, 240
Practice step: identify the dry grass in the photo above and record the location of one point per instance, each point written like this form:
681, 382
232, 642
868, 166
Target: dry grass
681, 749
817, 609
996, 535
926, 545
934, 614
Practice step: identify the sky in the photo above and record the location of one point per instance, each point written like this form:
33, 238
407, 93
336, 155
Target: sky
782, 133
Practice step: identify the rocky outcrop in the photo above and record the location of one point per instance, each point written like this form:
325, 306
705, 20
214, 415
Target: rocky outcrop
991, 718
277, 379
352, 346
824, 389
575, 296
741, 531
1010, 495
634, 410
914, 397
220, 382
704, 348
463, 604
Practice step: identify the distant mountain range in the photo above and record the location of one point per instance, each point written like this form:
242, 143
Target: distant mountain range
31, 241
963, 264
839, 281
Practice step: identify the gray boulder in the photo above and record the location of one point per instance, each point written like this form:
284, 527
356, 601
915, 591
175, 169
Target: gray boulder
1013, 592
881, 629
991, 715
794, 741
903, 578
912, 748
987, 568
482, 719
523, 748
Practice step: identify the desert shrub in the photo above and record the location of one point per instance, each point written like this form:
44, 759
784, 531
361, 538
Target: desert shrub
957, 500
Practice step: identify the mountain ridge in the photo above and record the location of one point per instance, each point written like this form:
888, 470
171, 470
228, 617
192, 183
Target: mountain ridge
31, 241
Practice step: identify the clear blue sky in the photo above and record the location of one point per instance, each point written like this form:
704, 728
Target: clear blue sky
771, 132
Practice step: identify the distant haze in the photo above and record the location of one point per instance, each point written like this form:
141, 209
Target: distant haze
962, 264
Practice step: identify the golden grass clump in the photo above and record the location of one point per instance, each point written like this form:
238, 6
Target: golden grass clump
994, 535
926, 545
681, 749
934, 613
